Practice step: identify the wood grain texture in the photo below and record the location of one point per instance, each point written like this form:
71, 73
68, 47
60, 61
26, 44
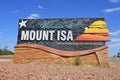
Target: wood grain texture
25, 53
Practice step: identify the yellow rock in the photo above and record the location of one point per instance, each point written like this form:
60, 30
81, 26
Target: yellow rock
99, 23
96, 30
97, 26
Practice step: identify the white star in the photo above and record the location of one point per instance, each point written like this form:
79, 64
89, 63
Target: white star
23, 23
86, 28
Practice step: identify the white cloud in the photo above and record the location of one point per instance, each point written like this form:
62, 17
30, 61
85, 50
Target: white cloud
112, 10
114, 1
33, 16
40, 7
114, 45
115, 33
16, 11
115, 39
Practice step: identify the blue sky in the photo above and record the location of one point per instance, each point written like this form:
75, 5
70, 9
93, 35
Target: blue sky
13, 10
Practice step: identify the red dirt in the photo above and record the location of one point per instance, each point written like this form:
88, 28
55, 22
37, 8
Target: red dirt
33, 71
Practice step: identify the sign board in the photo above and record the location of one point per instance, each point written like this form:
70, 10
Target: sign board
71, 34
52, 41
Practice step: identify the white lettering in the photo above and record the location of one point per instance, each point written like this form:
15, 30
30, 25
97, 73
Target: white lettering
58, 35
45, 35
32, 35
70, 36
51, 34
63, 35
24, 35
38, 35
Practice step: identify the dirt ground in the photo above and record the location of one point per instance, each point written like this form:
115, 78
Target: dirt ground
36, 71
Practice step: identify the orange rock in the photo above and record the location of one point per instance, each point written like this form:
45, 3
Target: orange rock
90, 37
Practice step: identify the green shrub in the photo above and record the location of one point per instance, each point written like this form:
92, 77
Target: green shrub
5, 51
77, 61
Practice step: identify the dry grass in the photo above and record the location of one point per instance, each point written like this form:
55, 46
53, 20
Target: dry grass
6, 57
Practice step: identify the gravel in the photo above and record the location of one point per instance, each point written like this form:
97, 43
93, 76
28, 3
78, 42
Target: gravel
33, 71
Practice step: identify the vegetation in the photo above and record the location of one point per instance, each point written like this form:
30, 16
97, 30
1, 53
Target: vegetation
77, 61
5, 51
118, 54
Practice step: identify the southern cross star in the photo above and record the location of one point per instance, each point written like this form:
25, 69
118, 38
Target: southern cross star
22, 23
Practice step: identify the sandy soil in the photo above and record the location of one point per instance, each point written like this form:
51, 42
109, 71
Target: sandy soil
36, 71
